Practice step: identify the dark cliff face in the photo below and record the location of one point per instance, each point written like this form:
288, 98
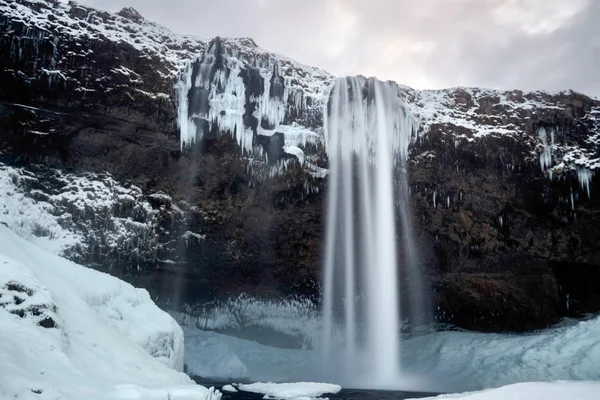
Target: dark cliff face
240, 209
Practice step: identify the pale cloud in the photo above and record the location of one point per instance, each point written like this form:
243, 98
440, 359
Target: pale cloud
537, 16
528, 44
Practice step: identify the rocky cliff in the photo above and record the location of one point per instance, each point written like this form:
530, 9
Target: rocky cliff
198, 168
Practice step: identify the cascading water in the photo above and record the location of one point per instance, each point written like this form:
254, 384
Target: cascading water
368, 131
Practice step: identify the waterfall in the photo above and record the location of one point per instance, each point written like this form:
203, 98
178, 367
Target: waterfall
367, 131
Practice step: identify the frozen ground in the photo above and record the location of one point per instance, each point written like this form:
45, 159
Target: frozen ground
450, 361
473, 361
534, 391
69, 332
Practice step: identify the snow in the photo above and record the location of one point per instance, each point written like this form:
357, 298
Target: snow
149, 38
217, 356
28, 217
210, 357
64, 212
229, 388
533, 391
471, 361
295, 151
298, 390
69, 332
188, 235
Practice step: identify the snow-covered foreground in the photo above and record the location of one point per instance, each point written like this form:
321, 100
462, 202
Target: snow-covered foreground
448, 361
68, 332
533, 391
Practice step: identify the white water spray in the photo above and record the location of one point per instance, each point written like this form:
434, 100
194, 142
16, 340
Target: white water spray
367, 131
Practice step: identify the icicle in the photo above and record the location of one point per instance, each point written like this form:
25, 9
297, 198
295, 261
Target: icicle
434, 198
546, 154
585, 177
500, 221
572, 201
448, 202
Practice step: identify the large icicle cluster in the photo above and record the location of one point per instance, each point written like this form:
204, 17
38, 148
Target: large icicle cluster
235, 87
572, 159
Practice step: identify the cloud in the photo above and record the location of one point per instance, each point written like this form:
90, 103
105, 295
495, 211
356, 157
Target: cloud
527, 44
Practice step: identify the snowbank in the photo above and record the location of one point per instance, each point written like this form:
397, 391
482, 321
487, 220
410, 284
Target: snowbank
223, 357
534, 391
473, 361
69, 332
298, 390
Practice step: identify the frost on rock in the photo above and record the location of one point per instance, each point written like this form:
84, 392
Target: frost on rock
189, 236
85, 217
82, 23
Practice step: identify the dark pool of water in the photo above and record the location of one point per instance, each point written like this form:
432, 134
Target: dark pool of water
345, 394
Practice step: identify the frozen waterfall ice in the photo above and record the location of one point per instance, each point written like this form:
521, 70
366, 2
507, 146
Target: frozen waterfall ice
368, 131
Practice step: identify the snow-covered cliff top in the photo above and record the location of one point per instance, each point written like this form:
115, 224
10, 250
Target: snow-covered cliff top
217, 82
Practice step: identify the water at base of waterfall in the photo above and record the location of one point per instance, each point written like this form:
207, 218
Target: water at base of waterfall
344, 394
368, 131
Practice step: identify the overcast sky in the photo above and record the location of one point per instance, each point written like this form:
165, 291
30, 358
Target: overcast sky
507, 44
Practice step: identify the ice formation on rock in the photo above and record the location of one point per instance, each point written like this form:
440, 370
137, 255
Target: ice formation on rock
547, 148
235, 87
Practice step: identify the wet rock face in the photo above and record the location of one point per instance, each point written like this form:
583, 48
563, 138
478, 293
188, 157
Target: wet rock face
504, 246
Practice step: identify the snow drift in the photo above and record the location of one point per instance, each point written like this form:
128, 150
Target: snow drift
69, 332
533, 391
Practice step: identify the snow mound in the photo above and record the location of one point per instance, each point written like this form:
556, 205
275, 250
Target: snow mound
534, 391
69, 332
298, 390
229, 388
22, 294
213, 358
472, 361
212, 355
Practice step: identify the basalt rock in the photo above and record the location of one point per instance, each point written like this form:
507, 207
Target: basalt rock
225, 143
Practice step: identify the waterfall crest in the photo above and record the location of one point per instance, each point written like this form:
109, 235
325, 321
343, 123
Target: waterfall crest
368, 131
